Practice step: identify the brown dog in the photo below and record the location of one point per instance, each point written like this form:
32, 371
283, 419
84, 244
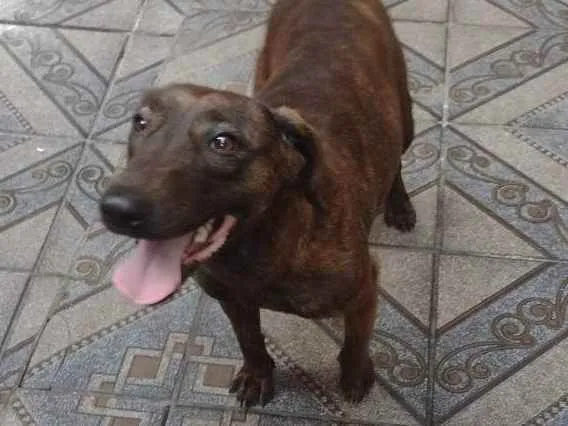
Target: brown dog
274, 196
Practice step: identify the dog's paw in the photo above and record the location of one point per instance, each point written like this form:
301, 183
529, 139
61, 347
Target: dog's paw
356, 383
400, 215
252, 388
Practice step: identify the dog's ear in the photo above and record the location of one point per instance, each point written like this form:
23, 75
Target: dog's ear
297, 133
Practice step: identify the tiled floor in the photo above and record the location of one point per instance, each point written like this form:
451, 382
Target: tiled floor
474, 308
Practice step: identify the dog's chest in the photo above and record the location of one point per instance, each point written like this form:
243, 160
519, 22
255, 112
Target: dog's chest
257, 280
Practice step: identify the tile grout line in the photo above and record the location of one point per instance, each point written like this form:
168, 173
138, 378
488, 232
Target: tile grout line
439, 234
465, 253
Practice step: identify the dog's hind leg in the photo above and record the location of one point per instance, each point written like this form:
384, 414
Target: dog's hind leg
399, 211
254, 382
357, 372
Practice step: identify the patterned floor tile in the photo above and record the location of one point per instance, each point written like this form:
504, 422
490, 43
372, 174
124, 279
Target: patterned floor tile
161, 17
34, 175
38, 299
418, 10
77, 232
138, 355
52, 81
508, 75
305, 353
217, 48
406, 282
504, 195
511, 13
111, 14
554, 415
30, 407
424, 48
210, 417
13, 286
139, 67
420, 169
508, 314
532, 396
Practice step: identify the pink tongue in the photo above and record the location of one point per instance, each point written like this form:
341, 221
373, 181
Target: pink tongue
153, 272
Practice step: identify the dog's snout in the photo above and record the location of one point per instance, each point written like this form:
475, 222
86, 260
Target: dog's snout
124, 210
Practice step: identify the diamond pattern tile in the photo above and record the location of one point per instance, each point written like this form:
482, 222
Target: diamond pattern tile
472, 303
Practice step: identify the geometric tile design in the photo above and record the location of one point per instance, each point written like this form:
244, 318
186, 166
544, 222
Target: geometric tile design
140, 355
530, 210
472, 304
113, 14
62, 70
212, 417
32, 407
501, 335
36, 172
542, 14
555, 415
515, 74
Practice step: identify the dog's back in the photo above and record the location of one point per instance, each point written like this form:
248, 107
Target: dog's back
341, 67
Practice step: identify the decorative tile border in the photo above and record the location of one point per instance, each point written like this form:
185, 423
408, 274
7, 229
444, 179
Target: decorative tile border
556, 414
494, 342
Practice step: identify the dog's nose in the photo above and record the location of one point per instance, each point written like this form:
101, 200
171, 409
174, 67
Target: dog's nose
124, 211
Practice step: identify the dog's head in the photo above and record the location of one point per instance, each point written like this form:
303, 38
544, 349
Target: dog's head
198, 155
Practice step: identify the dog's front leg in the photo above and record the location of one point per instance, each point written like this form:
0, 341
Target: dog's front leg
357, 372
254, 382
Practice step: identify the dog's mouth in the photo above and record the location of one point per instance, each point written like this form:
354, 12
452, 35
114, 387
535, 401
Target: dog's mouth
153, 271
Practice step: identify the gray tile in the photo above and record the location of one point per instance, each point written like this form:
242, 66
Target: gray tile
217, 48
111, 14
29, 407
161, 17
41, 295
555, 415
4, 399
526, 393
501, 75
406, 279
246, 5
424, 46
207, 27
138, 355
418, 10
139, 67
206, 417
35, 173
501, 335
543, 14
13, 285
53, 81
502, 184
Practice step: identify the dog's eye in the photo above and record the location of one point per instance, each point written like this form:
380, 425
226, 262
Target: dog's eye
223, 143
139, 122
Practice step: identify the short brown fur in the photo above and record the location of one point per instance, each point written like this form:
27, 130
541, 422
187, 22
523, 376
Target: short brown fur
324, 134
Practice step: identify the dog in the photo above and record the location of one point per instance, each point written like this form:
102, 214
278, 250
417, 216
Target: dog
271, 198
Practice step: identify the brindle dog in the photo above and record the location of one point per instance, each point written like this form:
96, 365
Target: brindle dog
273, 196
